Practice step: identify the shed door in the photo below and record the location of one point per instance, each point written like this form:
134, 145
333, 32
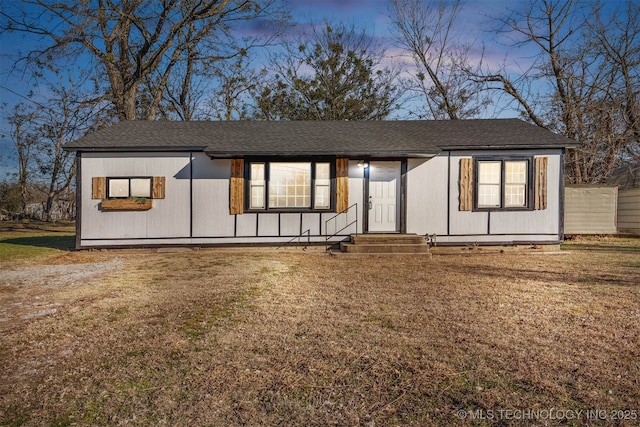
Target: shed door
384, 194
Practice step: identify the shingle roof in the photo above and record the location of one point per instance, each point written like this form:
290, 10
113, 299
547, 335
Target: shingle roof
363, 138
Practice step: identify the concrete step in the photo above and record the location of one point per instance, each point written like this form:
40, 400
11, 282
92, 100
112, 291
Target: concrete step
392, 239
384, 248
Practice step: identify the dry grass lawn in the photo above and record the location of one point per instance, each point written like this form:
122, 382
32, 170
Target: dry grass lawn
274, 337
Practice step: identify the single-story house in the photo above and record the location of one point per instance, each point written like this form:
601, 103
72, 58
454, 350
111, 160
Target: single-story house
152, 183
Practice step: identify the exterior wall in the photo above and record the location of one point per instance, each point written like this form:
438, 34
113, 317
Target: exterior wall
629, 211
195, 209
167, 219
591, 209
433, 197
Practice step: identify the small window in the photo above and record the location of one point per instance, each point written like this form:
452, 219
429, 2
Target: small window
489, 184
322, 198
515, 184
140, 187
128, 187
503, 184
256, 184
118, 188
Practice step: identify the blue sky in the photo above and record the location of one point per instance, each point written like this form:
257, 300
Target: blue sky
370, 15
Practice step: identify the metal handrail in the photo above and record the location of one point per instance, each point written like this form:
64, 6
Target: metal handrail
307, 232
326, 224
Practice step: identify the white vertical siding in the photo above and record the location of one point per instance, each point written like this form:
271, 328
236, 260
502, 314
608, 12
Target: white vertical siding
168, 218
427, 195
290, 224
356, 195
247, 225
268, 224
545, 221
311, 222
196, 207
211, 197
431, 211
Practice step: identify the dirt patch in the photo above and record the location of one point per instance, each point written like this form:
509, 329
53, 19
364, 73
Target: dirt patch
58, 275
216, 337
29, 291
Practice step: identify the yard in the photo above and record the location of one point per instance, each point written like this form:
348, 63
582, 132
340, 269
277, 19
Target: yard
290, 337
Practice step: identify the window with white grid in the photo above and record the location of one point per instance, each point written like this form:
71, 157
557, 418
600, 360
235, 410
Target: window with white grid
515, 184
502, 183
290, 185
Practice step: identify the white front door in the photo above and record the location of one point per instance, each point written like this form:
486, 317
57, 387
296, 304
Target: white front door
384, 193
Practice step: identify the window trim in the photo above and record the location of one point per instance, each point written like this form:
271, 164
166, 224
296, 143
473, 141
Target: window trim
267, 177
129, 178
529, 187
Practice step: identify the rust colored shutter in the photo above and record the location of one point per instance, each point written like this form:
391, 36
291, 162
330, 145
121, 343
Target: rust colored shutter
342, 184
99, 187
466, 184
540, 189
158, 187
236, 190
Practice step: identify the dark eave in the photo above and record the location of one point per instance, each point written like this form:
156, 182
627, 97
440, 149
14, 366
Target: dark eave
137, 149
350, 154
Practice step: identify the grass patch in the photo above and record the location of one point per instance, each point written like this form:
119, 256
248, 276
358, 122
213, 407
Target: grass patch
603, 243
221, 337
381, 321
34, 241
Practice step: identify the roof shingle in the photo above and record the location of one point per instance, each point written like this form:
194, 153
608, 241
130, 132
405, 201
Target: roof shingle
360, 138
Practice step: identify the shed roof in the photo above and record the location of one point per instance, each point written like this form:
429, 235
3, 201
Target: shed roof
417, 138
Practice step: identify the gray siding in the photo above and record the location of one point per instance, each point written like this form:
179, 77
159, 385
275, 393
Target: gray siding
211, 199
160, 221
195, 209
427, 195
196, 206
629, 211
433, 195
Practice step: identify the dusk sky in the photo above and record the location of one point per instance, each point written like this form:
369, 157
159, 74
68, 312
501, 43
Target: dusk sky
368, 15
477, 19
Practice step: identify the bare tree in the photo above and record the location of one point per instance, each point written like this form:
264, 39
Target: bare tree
583, 81
40, 129
235, 92
617, 36
64, 118
133, 40
426, 30
21, 119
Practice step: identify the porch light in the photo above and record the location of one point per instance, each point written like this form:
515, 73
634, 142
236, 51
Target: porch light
362, 164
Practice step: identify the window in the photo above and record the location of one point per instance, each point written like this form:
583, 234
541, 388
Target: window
289, 185
323, 186
489, 184
257, 186
503, 183
128, 187
515, 184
